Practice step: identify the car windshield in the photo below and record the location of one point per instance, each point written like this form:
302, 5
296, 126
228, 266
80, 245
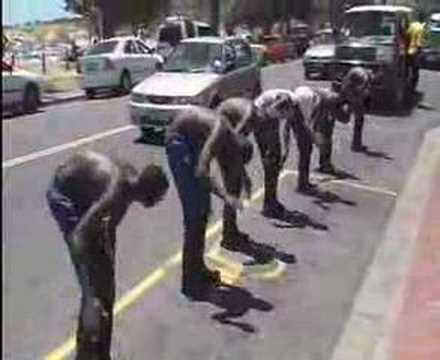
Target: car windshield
370, 24
103, 48
193, 57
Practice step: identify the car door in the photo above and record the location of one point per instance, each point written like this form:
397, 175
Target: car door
247, 74
227, 85
131, 61
12, 87
147, 61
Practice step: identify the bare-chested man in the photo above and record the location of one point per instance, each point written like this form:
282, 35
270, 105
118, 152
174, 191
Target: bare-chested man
88, 197
196, 137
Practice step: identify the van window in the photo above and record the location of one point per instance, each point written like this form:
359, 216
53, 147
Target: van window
171, 34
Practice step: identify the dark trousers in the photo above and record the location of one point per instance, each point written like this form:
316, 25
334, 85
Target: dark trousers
267, 136
194, 195
305, 148
326, 129
413, 65
359, 110
230, 228
94, 268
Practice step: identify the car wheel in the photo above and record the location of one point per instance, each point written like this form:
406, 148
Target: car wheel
90, 93
31, 99
125, 82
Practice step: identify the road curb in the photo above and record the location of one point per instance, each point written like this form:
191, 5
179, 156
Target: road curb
60, 100
368, 332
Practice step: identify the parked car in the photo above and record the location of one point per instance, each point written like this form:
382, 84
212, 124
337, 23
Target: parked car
21, 90
117, 63
374, 36
176, 28
431, 53
201, 71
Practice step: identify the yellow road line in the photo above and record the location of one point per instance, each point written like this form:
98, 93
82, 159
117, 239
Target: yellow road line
134, 294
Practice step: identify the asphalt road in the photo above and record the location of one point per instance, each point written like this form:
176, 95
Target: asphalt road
297, 313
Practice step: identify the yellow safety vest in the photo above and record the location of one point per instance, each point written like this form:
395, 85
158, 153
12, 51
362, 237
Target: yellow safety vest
416, 33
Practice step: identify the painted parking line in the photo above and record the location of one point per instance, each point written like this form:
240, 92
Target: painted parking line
59, 148
360, 186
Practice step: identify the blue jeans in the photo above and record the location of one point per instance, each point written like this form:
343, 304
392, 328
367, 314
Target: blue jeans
183, 156
95, 273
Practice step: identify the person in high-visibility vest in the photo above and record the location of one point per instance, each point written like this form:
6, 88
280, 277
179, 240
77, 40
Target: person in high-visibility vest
416, 39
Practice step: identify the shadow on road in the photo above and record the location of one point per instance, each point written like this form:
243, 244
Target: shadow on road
377, 154
412, 102
260, 253
236, 302
296, 219
324, 197
338, 174
11, 115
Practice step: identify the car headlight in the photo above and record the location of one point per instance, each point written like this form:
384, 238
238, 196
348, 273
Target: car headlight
138, 98
384, 54
184, 100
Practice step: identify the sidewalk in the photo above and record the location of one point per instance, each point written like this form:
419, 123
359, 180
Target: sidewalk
418, 327
396, 314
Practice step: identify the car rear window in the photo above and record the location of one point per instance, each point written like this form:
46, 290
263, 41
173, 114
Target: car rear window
103, 48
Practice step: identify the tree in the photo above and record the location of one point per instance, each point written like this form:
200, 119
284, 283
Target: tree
106, 15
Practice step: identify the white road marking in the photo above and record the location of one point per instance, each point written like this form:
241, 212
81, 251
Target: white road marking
360, 186
70, 145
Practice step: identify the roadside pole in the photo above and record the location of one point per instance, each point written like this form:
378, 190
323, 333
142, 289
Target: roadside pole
215, 14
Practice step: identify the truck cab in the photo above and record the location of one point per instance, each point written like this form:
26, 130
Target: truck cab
374, 37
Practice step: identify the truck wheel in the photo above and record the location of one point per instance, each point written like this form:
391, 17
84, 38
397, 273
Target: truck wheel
31, 99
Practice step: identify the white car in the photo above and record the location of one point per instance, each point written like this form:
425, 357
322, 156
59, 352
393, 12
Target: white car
201, 71
21, 90
117, 63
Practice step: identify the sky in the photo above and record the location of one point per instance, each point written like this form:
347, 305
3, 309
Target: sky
21, 11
